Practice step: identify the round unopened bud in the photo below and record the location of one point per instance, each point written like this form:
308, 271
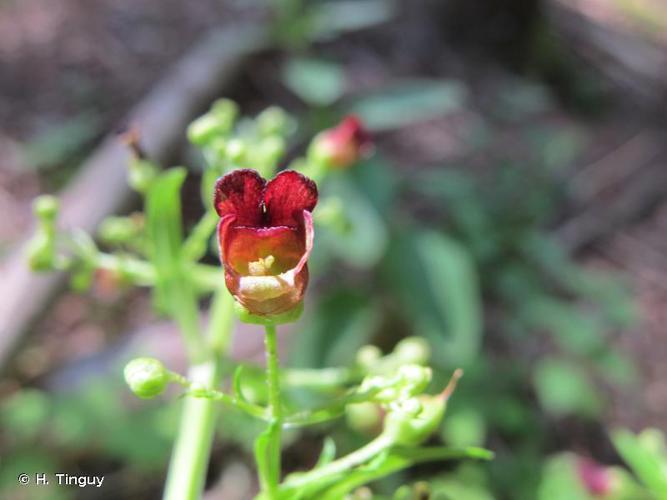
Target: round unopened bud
46, 207
146, 377
414, 379
368, 355
225, 112
364, 417
273, 121
413, 350
236, 151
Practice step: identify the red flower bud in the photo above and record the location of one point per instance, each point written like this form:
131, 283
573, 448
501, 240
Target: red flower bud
265, 235
594, 477
343, 145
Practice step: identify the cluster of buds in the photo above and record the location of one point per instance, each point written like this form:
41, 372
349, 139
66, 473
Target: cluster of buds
397, 406
260, 142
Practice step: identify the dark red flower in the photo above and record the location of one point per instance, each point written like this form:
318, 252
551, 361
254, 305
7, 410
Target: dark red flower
265, 235
594, 477
345, 144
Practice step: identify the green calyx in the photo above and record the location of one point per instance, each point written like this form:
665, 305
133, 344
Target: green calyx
413, 420
277, 319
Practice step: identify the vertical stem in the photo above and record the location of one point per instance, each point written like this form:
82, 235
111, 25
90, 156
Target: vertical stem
189, 461
273, 371
272, 475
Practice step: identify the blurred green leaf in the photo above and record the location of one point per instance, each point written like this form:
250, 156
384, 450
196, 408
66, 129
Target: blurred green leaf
407, 102
317, 82
31, 462
330, 18
647, 456
464, 427
564, 389
364, 242
25, 413
578, 331
342, 322
435, 282
560, 480
327, 454
267, 454
378, 180
165, 236
467, 482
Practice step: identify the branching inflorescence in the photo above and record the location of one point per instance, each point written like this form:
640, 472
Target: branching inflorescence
265, 233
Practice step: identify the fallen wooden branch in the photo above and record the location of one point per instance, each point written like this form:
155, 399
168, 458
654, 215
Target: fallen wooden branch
635, 65
606, 214
101, 187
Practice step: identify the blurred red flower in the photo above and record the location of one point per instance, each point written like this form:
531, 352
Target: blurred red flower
265, 235
594, 477
345, 144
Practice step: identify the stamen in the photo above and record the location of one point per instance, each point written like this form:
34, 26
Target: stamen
262, 266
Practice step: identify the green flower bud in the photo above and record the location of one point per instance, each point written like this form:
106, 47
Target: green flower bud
413, 380
141, 174
410, 422
364, 417
146, 377
413, 421
41, 252
203, 130
268, 153
413, 350
46, 208
274, 121
368, 356
225, 112
236, 151
118, 230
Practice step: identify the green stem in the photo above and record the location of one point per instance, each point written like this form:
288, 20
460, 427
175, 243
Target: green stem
189, 462
273, 371
332, 469
270, 483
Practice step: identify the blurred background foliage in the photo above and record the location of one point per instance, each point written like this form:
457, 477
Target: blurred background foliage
484, 117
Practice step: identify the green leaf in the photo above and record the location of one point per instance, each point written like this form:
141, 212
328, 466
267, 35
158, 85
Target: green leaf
436, 283
395, 460
238, 390
165, 235
317, 82
328, 453
267, 451
564, 389
407, 102
647, 456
